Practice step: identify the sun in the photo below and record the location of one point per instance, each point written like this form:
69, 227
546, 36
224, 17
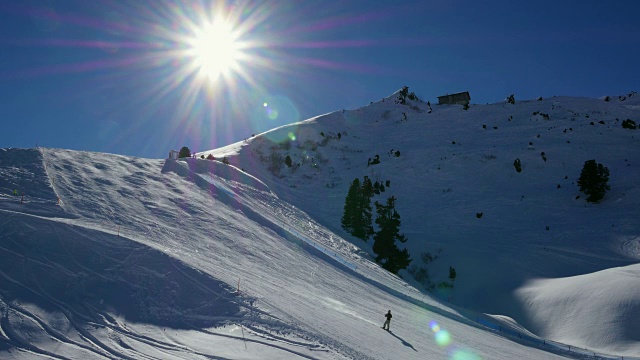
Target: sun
214, 49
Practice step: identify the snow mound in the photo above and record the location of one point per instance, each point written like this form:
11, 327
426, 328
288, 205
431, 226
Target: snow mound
591, 310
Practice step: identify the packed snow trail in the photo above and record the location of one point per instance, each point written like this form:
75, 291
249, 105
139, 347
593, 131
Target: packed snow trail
167, 285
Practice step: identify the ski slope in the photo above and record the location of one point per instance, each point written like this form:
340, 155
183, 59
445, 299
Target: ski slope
167, 285
189, 259
456, 164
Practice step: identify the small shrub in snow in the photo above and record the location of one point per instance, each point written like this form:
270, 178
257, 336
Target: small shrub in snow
517, 164
225, 160
210, 157
629, 124
287, 161
184, 152
479, 215
275, 162
511, 99
421, 273
452, 274
376, 160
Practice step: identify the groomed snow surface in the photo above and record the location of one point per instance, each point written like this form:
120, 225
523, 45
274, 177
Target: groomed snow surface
115, 257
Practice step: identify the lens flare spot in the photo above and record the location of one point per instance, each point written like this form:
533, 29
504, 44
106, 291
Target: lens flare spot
464, 355
292, 136
434, 326
443, 338
265, 104
272, 114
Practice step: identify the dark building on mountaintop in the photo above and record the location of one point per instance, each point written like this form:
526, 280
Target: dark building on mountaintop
459, 98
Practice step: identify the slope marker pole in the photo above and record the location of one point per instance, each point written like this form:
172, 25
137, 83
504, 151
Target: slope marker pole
241, 327
243, 339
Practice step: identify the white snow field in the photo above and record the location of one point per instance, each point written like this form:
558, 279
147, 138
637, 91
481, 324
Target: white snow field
197, 259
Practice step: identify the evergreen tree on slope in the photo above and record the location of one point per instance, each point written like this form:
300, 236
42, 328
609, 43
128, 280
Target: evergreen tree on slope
363, 228
387, 252
593, 180
351, 206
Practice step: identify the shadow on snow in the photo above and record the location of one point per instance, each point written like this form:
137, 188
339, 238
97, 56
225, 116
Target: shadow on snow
87, 275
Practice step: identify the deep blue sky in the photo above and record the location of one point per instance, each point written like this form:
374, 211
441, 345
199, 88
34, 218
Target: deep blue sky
106, 75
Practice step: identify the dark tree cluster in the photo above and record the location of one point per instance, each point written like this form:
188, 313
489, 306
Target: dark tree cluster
378, 187
357, 220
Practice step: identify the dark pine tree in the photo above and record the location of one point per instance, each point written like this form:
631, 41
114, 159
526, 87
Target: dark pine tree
351, 206
362, 227
593, 180
387, 252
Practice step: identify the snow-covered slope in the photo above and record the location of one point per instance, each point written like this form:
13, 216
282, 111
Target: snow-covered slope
455, 165
596, 310
197, 259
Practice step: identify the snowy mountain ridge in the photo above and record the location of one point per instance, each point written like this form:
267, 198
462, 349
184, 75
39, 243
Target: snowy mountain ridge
454, 164
197, 259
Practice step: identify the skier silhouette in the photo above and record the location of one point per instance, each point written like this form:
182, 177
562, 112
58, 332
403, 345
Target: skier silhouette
388, 321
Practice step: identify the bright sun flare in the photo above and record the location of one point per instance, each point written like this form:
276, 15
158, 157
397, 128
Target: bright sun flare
214, 49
